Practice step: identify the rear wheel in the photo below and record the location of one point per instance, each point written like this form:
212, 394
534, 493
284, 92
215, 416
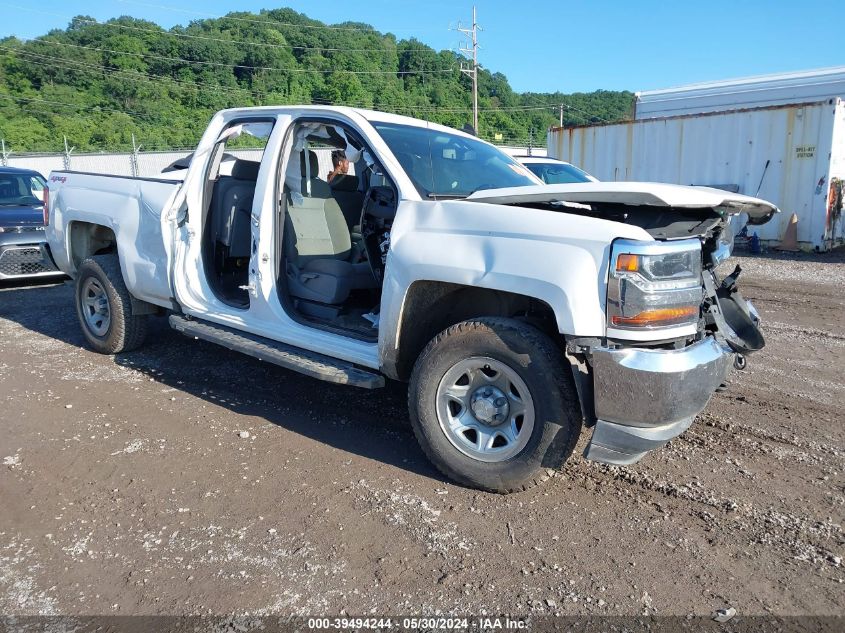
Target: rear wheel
493, 404
104, 307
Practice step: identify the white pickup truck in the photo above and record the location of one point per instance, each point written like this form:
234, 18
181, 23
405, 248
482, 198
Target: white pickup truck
518, 312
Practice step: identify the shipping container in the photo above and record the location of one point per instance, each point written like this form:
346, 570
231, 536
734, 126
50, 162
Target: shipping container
810, 86
792, 155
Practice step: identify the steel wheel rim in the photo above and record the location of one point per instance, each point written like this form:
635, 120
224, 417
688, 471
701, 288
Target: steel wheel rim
464, 409
94, 302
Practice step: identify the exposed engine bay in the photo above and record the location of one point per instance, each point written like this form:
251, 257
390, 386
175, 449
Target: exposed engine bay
661, 223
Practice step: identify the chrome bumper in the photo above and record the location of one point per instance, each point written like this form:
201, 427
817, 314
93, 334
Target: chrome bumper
644, 398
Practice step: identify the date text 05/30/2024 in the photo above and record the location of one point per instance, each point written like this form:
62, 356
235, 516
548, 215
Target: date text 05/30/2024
414, 624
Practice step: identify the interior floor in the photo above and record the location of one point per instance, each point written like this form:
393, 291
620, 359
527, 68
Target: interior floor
352, 316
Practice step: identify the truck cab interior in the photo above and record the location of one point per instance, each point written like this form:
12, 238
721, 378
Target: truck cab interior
228, 195
335, 230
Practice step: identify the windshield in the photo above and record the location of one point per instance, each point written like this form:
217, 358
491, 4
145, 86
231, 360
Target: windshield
559, 173
21, 190
451, 165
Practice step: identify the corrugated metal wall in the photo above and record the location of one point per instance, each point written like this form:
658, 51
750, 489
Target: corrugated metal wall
729, 148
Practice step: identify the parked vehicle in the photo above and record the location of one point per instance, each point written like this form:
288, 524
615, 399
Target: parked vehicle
518, 312
553, 171
23, 248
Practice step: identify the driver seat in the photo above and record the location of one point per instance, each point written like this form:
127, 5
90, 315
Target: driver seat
318, 246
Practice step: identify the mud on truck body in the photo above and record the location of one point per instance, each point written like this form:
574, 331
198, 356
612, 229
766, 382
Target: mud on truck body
519, 313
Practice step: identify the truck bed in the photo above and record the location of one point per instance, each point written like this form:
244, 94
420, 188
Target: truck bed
131, 207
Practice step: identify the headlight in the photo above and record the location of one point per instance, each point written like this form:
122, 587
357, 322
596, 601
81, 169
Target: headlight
654, 285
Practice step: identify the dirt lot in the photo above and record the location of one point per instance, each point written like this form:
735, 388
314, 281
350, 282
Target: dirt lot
126, 488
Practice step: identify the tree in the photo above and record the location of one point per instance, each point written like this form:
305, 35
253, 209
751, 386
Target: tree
99, 83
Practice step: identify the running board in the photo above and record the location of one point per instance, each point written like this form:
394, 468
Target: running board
287, 356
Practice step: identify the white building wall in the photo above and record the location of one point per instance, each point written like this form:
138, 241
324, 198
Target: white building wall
150, 164
730, 148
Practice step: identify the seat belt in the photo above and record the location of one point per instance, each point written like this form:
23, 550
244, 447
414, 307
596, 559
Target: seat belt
307, 159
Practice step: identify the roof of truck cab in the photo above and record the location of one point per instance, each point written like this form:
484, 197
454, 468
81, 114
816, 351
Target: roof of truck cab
373, 116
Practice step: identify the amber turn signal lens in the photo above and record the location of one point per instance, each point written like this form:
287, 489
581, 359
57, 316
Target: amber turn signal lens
663, 316
628, 262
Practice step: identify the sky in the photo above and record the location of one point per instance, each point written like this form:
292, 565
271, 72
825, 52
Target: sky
543, 45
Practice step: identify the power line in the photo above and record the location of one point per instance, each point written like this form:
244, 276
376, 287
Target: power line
72, 64
269, 20
75, 65
81, 66
243, 66
207, 38
136, 75
73, 105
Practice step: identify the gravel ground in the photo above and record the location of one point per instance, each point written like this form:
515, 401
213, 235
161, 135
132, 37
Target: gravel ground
187, 479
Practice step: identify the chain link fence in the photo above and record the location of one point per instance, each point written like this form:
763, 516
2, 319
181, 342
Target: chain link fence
150, 164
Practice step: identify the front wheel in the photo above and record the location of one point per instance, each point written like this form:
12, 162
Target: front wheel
104, 307
493, 404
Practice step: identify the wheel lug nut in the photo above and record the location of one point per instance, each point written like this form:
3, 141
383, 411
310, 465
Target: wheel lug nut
500, 402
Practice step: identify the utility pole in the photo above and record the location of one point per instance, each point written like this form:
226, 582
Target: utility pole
561, 115
472, 72
5, 154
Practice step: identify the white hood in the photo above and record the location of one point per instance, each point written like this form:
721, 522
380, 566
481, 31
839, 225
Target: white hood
653, 194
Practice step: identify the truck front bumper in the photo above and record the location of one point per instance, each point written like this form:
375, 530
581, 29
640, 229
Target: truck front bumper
644, 398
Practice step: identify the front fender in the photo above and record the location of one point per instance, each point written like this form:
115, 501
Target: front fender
553, 257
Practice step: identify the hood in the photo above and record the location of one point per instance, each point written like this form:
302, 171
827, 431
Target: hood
651, 194
21, 216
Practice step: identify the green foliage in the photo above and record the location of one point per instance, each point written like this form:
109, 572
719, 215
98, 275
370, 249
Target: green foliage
98, 84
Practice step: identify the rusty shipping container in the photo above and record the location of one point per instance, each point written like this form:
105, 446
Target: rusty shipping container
791, 155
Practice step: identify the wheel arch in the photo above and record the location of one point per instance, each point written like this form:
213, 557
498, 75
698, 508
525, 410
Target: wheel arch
429, 307
88, 238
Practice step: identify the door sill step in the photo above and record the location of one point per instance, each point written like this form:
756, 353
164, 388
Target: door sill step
287, 356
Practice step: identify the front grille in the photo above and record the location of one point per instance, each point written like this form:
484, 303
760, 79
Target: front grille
25, 260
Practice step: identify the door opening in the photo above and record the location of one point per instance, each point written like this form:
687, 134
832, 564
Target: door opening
227, 209
336, 210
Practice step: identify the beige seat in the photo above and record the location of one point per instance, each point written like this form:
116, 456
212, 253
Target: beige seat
318, 247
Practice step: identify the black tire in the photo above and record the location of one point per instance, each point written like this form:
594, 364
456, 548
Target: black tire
125, 331
535, 358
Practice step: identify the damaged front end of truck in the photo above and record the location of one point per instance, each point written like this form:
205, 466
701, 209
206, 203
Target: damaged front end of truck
674, 326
